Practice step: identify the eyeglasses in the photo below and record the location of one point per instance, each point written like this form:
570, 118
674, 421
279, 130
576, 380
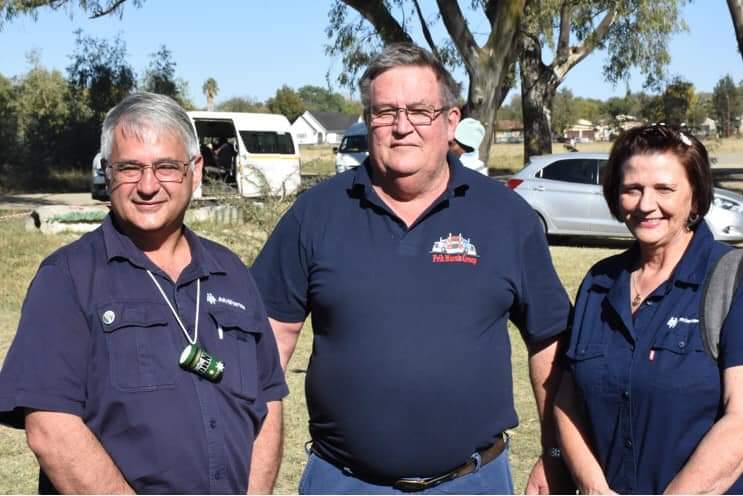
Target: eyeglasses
166, 170
418, 115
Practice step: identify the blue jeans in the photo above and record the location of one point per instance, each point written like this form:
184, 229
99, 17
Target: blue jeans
321, 477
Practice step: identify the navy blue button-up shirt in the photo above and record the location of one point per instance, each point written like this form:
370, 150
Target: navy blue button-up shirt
649, 389
411, 364
96, 339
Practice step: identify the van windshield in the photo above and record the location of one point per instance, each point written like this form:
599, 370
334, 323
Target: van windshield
354, 144
268, 142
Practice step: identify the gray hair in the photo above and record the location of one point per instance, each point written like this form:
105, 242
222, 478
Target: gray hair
407, 54
146, 116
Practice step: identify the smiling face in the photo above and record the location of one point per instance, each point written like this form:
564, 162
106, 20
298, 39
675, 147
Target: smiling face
402, 149
656, 199
150, 210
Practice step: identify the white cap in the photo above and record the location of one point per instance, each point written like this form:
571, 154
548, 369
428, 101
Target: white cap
470, 133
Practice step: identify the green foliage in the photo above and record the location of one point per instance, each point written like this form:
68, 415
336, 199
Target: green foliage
677, 100
210, 88
726, 102
8, 122
160, 77
242, 104
10, 9
286, 101
563, 111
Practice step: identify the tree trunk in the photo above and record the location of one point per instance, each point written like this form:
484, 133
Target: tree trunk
483, 101
209, 103
736, 12
538, 87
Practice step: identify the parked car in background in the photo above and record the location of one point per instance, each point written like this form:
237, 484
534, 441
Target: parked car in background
565, 191
98, 180
353, 149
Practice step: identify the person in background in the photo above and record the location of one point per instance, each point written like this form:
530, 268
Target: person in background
644, 409
466, 144
144, 361
411, 266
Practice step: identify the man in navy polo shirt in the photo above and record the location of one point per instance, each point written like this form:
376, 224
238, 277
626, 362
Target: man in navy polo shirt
143, 360
411, 266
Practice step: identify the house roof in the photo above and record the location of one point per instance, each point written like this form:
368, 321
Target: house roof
334, 121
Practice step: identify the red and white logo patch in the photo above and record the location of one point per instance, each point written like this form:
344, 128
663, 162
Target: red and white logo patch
455, 248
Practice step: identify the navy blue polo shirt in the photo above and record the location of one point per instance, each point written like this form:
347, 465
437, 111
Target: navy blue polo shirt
97, 340
410, 370
649, 389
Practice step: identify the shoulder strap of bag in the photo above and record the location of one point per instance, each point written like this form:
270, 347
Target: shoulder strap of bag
717, 295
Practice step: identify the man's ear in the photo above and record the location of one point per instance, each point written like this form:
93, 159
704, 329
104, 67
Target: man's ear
453, 116
198, 170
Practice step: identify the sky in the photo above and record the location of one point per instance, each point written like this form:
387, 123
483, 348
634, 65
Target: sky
253, 47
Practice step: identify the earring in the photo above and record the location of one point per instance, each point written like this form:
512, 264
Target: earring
692, 221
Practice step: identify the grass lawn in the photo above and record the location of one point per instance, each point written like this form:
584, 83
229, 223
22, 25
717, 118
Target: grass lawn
23, 251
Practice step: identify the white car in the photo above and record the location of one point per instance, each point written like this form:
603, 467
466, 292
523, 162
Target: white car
98, 180
565, 191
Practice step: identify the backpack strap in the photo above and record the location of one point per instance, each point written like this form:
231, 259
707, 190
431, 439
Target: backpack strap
717, 295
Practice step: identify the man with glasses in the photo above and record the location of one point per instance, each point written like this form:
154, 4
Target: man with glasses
411, 266
144, 361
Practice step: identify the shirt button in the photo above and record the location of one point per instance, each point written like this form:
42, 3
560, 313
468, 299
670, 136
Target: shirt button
628, 443
625, 395
213, 424
682, 344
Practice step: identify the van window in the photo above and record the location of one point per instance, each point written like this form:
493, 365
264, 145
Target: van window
354, 144
268, 142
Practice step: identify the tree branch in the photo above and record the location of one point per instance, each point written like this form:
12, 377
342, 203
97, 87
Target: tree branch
563, 42
377, 14
581, 51
426, 31
460, 34
736, 12
100, 12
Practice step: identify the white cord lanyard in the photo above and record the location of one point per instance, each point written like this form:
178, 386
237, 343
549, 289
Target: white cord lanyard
175, 314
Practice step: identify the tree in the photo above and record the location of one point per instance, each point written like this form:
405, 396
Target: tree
286, 102
99, 77
727, 105
563, 111
677, 99
210, 90
242, 104
488, 65
736, 13
10, 9
8, 122
320, 99
634, 32
160, 74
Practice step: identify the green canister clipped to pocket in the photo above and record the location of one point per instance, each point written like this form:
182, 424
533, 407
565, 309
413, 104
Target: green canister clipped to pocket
198, 361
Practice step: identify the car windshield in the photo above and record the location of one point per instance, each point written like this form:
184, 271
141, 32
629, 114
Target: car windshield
354, 144
268, 142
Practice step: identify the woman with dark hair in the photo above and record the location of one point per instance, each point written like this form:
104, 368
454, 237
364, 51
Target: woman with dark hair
643, 408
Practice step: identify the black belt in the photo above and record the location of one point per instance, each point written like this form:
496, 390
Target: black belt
477, 460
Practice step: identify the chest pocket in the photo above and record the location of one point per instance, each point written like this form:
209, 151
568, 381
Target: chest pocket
590, 370
680, 361
142, 356
239, 349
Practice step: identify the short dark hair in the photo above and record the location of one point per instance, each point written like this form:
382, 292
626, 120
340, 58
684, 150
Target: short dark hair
407, 54
659, 138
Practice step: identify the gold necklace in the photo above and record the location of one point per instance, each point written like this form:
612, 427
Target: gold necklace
633, 285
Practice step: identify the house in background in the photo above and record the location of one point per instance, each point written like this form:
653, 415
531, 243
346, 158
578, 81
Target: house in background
581, 131
508, 131
316, 128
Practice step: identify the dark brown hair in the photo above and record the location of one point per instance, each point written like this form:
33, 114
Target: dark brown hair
659, 138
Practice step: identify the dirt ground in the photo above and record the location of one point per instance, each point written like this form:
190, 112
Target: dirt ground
30, 201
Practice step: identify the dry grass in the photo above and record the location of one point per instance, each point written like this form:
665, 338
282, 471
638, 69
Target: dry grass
23, 251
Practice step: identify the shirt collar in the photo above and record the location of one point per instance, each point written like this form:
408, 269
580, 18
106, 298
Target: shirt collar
119, 245
691, 269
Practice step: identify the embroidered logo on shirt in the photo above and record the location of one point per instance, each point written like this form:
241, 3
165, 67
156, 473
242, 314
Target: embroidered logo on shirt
455, 248
674, 321
213, 300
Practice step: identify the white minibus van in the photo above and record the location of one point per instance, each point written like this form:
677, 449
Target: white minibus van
255, 152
